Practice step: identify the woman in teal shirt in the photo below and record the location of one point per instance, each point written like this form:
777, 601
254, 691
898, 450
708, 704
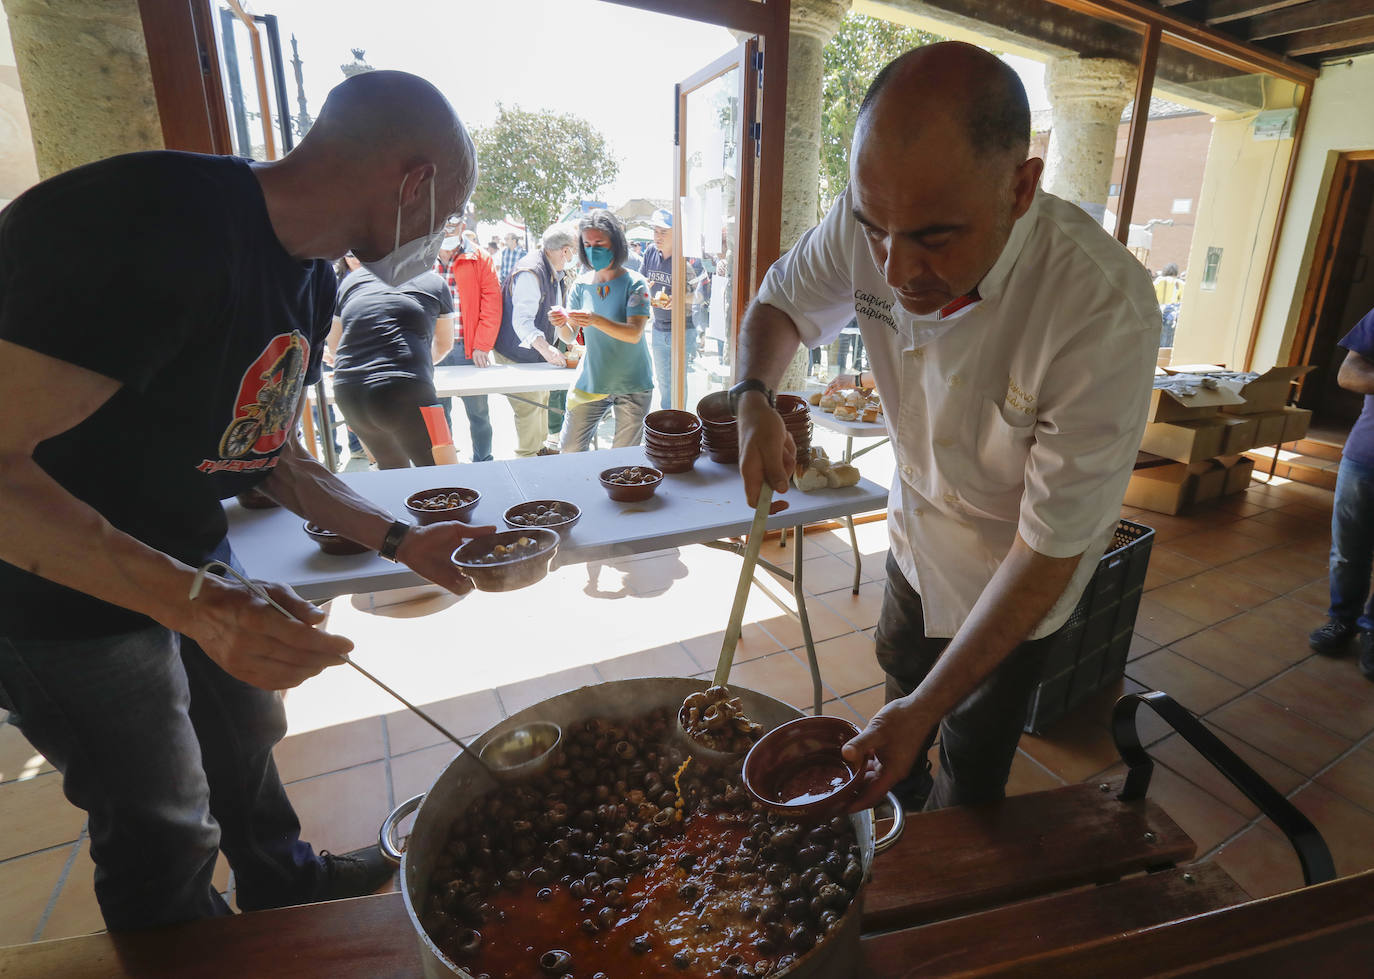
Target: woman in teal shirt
609, 305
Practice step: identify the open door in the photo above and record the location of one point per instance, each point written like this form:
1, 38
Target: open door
713, 212
1341, 290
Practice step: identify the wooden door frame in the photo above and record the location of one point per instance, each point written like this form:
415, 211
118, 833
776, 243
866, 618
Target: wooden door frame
737, 60
1319, 274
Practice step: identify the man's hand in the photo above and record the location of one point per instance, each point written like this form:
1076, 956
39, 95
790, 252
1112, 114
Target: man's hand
428, 551
254, 642
766, 449
842, 382
663, 300
581, 319
888, 749
481, 358
549, 352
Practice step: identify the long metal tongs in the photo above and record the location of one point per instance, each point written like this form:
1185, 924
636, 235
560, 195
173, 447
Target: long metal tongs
257, 589
746, 579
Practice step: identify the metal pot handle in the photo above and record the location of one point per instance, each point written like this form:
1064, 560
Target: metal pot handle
894, 832
386, 837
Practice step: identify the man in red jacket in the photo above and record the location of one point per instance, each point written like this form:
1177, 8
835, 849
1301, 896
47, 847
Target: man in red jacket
477, 295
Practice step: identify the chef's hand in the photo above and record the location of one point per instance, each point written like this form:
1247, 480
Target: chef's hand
888, 749
254, 642
482, 358
842, 382
766, 449
428, 551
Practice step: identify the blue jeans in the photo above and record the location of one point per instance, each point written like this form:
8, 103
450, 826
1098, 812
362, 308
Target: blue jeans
171, 758
1352, 545
478, 412
663, 361
579, 424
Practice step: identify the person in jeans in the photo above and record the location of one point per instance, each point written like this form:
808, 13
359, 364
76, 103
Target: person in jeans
1014, 344
131, 410
609, 306
657, 268
471, 278
1352, 516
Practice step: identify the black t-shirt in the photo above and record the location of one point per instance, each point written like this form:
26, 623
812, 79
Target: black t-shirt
388, 333
211, 327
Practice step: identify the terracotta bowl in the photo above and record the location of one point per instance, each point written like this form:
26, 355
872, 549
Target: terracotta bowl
727, 456
672, 465
797, 770
568, 514
790, 404
332, 543
632, 493
671, 422
507, 574
459, 512
714, 409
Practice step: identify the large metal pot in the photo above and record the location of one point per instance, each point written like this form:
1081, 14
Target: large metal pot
463, 781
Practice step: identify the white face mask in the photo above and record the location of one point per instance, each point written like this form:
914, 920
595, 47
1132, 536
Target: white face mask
405, 262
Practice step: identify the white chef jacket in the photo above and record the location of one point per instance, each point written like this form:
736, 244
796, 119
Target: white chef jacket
1021, 412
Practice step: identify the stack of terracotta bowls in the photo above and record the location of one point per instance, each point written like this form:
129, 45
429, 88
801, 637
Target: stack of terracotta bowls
718, 427
796, 415
672, 439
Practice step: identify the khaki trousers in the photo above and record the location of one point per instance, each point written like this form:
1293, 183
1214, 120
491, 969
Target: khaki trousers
531, 420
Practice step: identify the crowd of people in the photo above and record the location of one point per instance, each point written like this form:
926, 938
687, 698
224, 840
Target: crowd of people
501, 304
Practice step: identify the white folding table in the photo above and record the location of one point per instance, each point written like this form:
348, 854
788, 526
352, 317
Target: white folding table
704, 506
461, 381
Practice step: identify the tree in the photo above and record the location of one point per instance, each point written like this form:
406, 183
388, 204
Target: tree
533, 164
854, 56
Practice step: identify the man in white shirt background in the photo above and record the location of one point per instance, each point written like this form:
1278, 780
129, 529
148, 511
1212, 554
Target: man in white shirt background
534, 286
1013, 342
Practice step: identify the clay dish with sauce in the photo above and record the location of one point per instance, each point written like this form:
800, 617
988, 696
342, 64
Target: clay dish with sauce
797, 770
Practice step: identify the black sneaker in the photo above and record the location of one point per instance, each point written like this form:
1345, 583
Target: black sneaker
353, 874
1331, 639
1366, 641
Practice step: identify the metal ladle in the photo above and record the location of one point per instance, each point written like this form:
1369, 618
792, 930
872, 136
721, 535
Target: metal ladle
261, 592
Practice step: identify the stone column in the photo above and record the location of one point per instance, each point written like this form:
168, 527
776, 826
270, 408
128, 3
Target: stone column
1087, 97
813, 23
83, 68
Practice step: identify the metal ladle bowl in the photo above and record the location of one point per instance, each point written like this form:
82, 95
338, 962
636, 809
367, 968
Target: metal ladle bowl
522, 752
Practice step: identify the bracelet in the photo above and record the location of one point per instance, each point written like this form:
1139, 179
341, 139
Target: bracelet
391, 543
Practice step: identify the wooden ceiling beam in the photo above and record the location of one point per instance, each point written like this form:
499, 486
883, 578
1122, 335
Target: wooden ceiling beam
1308, 16
1348, 36
1221, 11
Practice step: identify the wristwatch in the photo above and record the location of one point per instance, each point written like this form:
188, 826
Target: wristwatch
745, 386
391, 543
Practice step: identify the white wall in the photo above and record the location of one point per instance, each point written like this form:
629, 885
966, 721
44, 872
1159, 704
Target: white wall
18, 169
1340, 119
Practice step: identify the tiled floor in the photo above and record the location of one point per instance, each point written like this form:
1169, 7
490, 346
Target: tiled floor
1231, 594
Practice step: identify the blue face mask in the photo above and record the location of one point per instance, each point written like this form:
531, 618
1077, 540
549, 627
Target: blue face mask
599, 257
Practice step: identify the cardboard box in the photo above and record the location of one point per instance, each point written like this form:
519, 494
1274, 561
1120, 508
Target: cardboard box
1239, 434
1161, 489
1210, 483
1269, 428
1296, 423
1237, 476
1269, 391
1168, 407
1185, 441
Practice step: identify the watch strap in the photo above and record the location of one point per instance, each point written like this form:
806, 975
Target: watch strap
391, 543
746, 385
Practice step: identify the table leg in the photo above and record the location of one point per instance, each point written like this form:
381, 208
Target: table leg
854, 543
799, 594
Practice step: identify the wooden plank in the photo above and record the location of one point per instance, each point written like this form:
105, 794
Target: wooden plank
1352, 34
1318, 13
1221, 11
1323, 930
1042, 925
954, 861
1135, 139
361, 938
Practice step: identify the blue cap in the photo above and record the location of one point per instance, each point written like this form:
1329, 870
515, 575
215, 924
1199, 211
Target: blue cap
662, 218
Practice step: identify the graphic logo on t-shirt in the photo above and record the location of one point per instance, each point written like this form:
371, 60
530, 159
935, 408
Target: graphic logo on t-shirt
266, 402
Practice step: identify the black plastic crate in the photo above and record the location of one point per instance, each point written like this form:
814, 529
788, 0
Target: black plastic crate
1090, 649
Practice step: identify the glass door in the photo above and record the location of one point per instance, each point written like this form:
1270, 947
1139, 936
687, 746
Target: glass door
713, 210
